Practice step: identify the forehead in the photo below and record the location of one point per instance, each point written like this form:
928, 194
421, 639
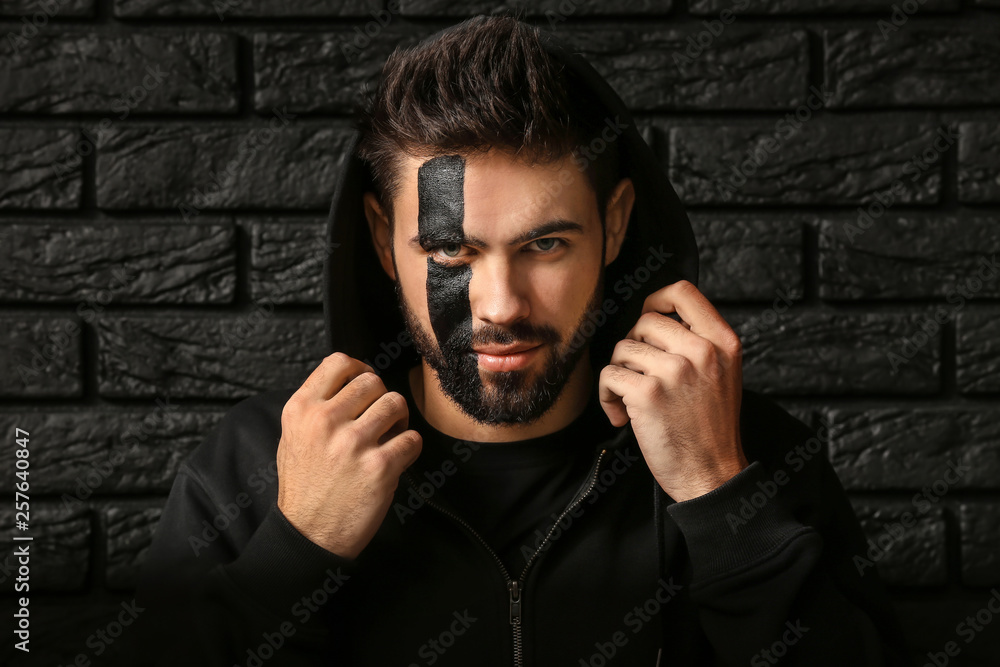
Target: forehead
503, 195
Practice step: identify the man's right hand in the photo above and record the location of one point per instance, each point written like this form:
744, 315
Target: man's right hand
343, 446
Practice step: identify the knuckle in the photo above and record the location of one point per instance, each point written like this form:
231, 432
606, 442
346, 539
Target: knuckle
352, 435
336, 358
388, 405
685, 286
395, 402
292, 409
379, 461
733, 343
369, 380
649, 318
704, 349
652, 388
407, 445
414, 440
680, 366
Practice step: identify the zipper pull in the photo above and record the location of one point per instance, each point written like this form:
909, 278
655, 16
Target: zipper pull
515, 603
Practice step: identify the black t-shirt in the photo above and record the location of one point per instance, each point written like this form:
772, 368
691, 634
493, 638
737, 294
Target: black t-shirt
509, 492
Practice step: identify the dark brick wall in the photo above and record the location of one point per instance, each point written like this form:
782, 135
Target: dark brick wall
165, 168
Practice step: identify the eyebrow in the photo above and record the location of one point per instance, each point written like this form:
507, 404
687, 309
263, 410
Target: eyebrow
549, 227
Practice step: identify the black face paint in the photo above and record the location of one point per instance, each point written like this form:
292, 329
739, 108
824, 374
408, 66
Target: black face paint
440, 217
440, 189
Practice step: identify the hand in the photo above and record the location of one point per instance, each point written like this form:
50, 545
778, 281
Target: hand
680, 383
343, 447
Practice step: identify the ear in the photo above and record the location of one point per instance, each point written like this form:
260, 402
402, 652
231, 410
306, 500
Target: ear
378, 225
616, 217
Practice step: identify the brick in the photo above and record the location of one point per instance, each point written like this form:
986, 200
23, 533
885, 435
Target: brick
40, 357
286, 261
86, 453
29, 177
100, 265
911, 66
313, 72
906, 545
811, 6
822, 352
980, 526
60, 548
230, 357
749, 258
45, 9
130, 532
979, 162
818, 163
180, 72
556, 11
286, 165
667, 69
909, 257
903, 448
225, 9
977, 338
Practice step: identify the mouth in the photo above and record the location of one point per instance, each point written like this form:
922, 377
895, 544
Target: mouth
506, 357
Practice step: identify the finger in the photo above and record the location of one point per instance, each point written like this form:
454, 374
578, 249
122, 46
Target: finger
403, 450
684, 298
637, 356
677, 318
663, 333
388, 413
358, 395
330, 376
614, 385
659, 329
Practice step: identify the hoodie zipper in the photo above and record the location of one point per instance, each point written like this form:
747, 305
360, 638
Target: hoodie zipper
515, 588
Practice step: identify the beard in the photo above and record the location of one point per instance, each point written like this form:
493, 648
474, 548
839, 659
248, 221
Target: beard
502, 397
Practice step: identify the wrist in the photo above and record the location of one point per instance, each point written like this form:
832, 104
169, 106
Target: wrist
322, 536
706, 481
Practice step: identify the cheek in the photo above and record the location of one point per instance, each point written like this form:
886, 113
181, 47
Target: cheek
448, 297
412, 275
560, 293
571, 283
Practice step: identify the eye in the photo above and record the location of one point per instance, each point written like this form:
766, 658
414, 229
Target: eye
549, 243
447, 250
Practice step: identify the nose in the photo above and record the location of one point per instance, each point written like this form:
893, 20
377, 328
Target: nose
497, 292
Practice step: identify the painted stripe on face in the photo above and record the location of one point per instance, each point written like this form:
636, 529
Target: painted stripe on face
441, 211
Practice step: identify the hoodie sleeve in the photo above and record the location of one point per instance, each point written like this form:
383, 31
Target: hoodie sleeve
772, 556
221, 585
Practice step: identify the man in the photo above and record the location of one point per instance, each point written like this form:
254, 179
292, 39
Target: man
530, 444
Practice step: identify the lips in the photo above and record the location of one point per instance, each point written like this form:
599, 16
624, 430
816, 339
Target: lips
501, 350
505, 358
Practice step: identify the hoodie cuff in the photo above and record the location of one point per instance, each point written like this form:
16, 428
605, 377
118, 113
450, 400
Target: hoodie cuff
736, 524
286, 573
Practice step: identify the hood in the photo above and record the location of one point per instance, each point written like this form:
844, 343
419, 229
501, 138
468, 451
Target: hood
362, 317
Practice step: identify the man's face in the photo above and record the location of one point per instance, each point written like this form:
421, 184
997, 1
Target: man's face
497, 265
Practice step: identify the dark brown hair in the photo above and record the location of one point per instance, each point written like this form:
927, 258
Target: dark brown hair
485, 83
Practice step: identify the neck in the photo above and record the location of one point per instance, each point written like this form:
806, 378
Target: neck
444, 415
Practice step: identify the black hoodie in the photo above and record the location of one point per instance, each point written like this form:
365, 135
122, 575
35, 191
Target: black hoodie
758, 571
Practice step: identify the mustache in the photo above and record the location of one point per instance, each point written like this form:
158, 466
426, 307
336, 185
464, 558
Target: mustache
522, 332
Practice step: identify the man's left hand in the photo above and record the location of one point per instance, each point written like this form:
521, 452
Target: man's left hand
680, 383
